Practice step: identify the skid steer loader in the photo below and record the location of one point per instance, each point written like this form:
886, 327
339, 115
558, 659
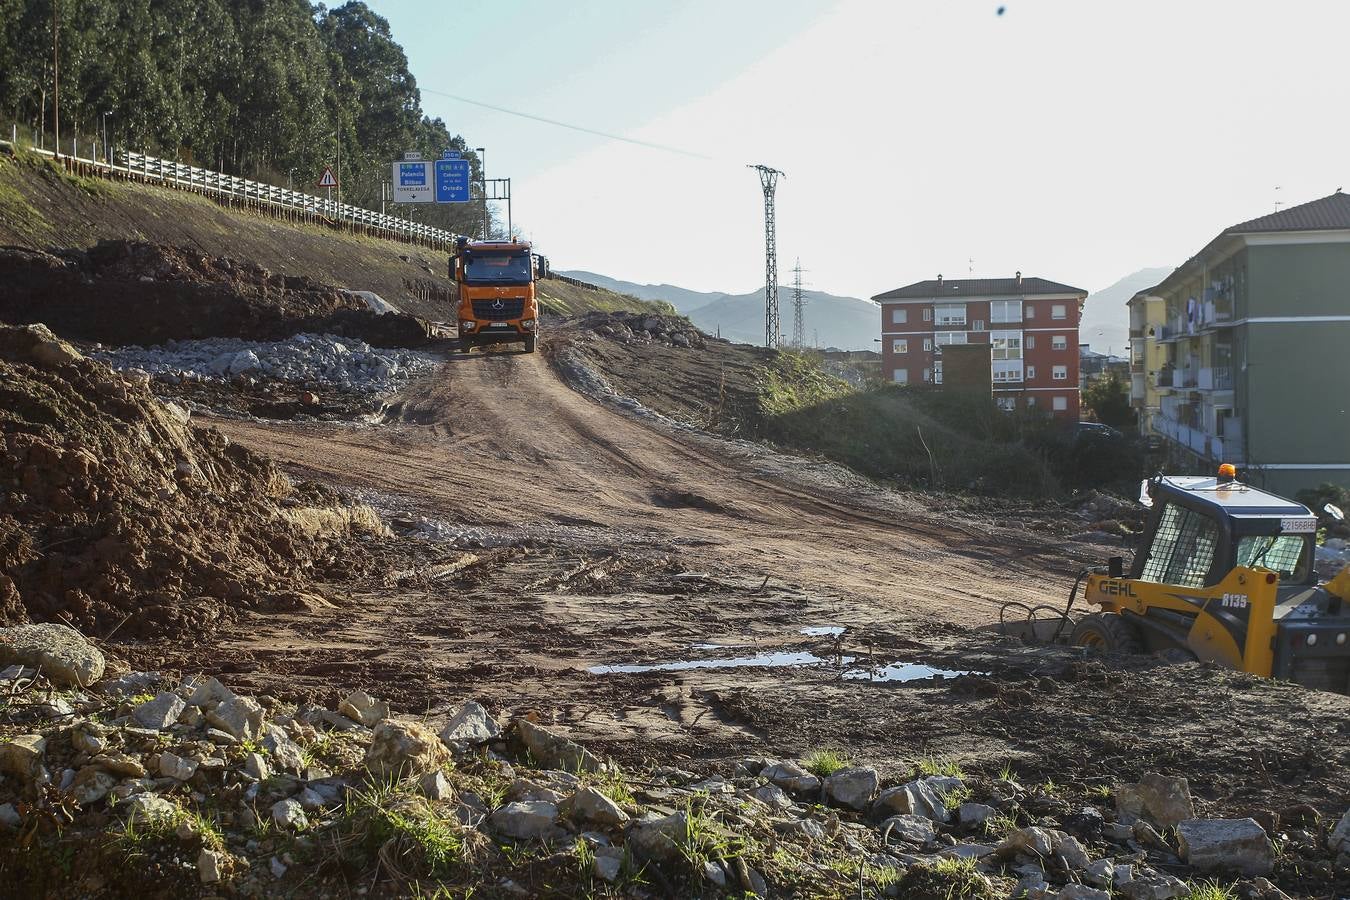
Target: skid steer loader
1224, 573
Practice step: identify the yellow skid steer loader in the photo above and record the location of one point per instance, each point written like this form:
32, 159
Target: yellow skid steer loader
1224, 573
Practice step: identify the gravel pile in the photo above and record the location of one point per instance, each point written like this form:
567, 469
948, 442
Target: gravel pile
323, 360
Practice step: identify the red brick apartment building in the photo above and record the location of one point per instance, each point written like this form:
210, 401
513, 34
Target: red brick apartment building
1030, 323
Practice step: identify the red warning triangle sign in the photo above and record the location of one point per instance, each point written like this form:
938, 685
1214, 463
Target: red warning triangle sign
327, 179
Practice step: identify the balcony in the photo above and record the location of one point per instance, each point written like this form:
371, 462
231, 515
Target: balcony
1137, 389
1219, 449
1164, 378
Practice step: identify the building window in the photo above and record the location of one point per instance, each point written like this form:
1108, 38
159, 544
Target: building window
937, 371
1031, 398
1007, 371
928, 344
943, 338
1005, 344
1029, 312
899, 346
1031, 372
1007, 404
1059, 342
900, 376
1004, 311
1059, 373
899, 316
1059, 311
927, 314
927, 375
977, 325
951, 314
1060, 404
1031, 342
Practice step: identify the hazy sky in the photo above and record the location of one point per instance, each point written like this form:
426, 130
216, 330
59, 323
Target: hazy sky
1071, 139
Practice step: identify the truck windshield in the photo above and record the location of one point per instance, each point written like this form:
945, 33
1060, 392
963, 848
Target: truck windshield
1282, 554
497, 268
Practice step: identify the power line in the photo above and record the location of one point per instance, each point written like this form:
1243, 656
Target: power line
581, 128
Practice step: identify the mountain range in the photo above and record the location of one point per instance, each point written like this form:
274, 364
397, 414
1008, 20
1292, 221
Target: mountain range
852, 323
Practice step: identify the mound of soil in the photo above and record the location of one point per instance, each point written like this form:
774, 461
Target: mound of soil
123, 292
115, 513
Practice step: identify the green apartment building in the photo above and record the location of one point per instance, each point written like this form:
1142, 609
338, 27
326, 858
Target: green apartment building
1248, 358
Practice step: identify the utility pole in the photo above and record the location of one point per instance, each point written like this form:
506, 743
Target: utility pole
798, 308
768, 180
482, 175
56, 73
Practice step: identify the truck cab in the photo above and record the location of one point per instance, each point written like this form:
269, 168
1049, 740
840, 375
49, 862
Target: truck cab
497, 301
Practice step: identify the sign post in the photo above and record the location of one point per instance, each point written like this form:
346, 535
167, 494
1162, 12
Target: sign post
328, 180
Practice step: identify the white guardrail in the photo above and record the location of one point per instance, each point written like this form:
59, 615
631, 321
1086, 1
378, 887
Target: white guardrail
177, 174
219, 185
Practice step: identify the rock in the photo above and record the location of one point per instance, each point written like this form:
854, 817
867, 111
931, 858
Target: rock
1082, 892
403, 749
119, 763
1035, 842
608, 865
208, 693
973, 815
555, 751
1338, 839
255, 767
911, 829
751, 881
61, 652
808, 828
660, 838
240, 717
791, 777
1068, 848
87, 742
289, 814
919, 798
278, 868
1147, 836
527, 820
469, 726
159, 713
91, 785
209, 866
285, 753
591, 805
1165, 800
1101, 873
435, 786
37, 344
176, 767
22, 755
852, 787
152, 810
1116, 832
1226, 845
361, 707
1152, 886
968, 851
714, 874
773, 796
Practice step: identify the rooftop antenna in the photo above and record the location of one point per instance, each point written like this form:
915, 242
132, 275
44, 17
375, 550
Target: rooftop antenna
768, 180
1277, 198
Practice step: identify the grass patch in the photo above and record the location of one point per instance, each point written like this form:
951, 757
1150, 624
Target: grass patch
956, 796
402, 832
614, 785
1212, 890
947, 879
824, 763
940, 766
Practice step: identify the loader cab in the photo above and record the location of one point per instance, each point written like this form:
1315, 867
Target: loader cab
1200, 528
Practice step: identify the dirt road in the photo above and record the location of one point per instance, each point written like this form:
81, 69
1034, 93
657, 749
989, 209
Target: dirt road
498, 439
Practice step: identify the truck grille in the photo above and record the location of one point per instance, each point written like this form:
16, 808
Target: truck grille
488, 309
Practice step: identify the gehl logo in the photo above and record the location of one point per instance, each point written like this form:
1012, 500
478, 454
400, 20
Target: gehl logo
1117, 588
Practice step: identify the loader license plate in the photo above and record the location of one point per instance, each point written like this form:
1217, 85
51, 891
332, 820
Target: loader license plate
1298, 525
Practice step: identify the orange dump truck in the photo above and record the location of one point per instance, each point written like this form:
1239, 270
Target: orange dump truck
497, 303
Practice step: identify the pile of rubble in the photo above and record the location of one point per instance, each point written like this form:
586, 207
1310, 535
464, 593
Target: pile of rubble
645, 328
116, 514
123, 292
172, 783
321, 361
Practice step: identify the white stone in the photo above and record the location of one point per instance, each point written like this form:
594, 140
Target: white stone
852, 787
911, 829
239, 717
1226, 845
160, 712
209, 864
289, 814
469, 725
176, 767
591, 805
527, 819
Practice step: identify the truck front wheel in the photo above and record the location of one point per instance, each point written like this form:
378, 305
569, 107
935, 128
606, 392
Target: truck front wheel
530, 342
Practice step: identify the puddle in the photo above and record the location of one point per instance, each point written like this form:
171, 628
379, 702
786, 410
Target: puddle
823, 631
769, 660
903, 672
713, 646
